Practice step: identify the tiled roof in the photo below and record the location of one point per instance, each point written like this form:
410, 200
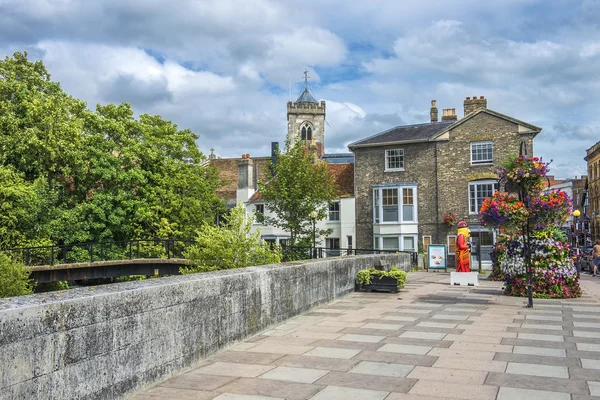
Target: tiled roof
228, 173
343, 176
406, 133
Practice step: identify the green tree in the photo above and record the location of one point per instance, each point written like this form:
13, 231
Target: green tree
232, 245
300, 186
14, 278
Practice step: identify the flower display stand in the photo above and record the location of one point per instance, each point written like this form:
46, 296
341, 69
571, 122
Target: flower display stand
464, 278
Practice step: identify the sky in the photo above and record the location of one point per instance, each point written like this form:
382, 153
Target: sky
224, 68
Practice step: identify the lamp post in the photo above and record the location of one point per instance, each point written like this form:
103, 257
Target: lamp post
313, 216
576, 214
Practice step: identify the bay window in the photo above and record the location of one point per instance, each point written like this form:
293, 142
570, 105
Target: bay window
394, 205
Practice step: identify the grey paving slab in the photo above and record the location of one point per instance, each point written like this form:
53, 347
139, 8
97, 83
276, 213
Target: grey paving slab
399, 358
588, 347
423, 335
382, 369
292, 374
331, 352
594, 388
540, 337
542, 326
579, 324
345, 393
590, 364
233, 396
271, 388
234, 369
506, 393
367, 381
436, 325
361, 338
519, 381
330, 364
539, 351
408, 349
587, 334
531, 359
549, 371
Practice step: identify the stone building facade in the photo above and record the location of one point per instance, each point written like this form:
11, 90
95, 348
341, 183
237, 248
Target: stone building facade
429, 171
306, 120
593, 165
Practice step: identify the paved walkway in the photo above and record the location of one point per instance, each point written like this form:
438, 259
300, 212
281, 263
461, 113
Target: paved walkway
430, 341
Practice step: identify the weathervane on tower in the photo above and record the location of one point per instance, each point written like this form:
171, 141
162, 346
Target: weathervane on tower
306, 79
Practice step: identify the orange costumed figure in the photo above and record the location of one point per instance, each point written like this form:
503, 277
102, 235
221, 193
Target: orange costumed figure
463, 250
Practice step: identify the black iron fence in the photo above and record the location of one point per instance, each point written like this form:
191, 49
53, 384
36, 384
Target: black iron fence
304, 253
99, 251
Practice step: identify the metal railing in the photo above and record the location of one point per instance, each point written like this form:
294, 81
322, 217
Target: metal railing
99, 251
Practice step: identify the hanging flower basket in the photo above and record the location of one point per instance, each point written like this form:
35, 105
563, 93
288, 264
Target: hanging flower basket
450, 219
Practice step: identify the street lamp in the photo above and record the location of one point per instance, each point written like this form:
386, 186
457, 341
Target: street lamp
313, 216
576, 214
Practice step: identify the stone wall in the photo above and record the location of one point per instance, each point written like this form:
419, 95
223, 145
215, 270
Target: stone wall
102, 342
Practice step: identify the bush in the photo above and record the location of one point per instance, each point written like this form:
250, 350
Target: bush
52, 286
366, 276
14, 278
229, 246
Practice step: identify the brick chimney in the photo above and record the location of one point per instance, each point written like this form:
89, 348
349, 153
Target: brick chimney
449, 114
474, 104
433, 113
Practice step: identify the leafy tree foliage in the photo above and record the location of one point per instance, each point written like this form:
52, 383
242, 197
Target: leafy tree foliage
300, 186
232, 245
14, 278
69, 174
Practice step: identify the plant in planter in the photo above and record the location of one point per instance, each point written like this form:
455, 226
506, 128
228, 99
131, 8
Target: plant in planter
378, 280
450, 219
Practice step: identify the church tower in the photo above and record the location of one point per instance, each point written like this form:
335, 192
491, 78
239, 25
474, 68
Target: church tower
306, 119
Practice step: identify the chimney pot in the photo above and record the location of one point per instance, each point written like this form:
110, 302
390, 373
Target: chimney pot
247, 155
243, 156
482, 97
433, 112
468, 98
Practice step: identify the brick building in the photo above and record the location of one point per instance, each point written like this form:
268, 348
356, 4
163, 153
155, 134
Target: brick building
593, 165
409, 177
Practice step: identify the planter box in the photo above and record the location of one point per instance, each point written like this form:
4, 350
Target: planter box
385, 284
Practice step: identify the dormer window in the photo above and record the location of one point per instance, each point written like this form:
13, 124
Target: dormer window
306, 131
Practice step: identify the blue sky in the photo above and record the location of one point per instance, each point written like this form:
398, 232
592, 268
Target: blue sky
222, 67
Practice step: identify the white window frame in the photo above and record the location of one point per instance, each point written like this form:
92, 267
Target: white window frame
475, 184
482, 162
378, 241
338, 212
378, 205
387, 159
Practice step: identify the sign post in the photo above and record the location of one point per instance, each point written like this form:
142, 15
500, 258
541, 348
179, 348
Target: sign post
437, 255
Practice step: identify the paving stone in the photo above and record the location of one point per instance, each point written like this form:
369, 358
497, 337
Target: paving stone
531, 359
279, 348
315, 335
544, 317
292, 374
452, 362
361, 338
406, 396
332, 364
469, 354
448, 375
594, 388
580, 324
271, 388
423, 335
506, 393
382, 369
486, 333
590, 364
392, 327
586, 316
462, 310
367, 381
344, 393
498, 348
450, 317
549, 371
409, 349
541, 337
246, 357
454, 390
195, 381
398, 358
537, 383
587, 334
159, 392
290, 339
542, 327
342, 324
233, 396
418, 342
413, 311
399, 318
332, 352
473, 339
539, 351
588, 347
436, 325
234, 369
